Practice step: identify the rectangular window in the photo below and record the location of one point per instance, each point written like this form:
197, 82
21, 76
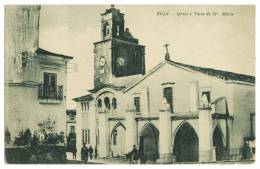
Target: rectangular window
167, 94
207, 93
137, 104
86, 136
83, 137
49, 79
49, 89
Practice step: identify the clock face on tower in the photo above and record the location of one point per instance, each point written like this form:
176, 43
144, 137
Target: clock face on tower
102, 61
120, 61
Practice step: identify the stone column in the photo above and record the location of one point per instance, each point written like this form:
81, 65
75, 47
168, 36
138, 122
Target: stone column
92, 123
103, 132
205, 135
165, 149
78, 129
131, 134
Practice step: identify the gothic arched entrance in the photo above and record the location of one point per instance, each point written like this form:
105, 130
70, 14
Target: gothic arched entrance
186, 144
218, 143
149, 140
118, 140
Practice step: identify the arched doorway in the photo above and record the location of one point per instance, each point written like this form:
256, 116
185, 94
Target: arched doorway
118, 140
149, 139
218, 143
186, 144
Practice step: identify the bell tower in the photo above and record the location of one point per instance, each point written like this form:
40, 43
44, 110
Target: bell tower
118, 54
112, 23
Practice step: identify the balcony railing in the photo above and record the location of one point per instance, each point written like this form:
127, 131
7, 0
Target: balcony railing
50, 92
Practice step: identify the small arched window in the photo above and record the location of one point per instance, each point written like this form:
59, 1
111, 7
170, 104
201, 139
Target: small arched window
114, 103
114, 137
107, 102
105, 29
84, 105
99, 103
117, 30
87, 105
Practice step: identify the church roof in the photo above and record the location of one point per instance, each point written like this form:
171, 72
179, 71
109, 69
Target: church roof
221, 74
97, 88
225, 75
89, 97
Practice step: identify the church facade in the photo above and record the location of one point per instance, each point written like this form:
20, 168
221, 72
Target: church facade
172, 112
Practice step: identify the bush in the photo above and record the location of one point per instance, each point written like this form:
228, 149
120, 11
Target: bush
41, 154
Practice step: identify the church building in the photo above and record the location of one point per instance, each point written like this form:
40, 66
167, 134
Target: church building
173, 112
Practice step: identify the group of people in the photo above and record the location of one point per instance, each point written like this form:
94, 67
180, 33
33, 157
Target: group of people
87, 152
135, 155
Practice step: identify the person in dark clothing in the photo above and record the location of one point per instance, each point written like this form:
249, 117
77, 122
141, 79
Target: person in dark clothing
134, 155
96, 152
84, 153
246, 150
90, 152
74, 151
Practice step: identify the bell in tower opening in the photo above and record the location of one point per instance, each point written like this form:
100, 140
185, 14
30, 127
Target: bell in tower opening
118, 54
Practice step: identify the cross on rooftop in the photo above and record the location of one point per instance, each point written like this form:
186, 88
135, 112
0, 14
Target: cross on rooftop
166, 46
167, 55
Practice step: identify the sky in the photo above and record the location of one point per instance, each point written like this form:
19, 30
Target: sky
209, 40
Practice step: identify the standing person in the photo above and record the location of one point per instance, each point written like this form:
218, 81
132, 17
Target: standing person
134, 155
96, 152
74, 151
129, 156
90, 152
84, 153
246, 150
